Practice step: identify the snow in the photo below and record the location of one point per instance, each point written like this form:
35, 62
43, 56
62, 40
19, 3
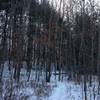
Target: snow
55, 90
65, 90
59, 92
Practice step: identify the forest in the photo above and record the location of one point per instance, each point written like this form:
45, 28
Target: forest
50, 40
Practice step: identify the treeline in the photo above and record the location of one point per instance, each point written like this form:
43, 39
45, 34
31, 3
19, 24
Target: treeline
50, 38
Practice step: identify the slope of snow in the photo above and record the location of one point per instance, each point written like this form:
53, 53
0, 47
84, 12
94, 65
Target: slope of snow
55, 90
51, 91
59, 92
66, 91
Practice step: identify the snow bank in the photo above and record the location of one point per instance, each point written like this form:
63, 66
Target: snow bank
59, 93
66, 91
56, 90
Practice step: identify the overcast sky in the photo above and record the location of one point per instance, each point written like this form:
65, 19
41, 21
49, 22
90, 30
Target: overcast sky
56, 3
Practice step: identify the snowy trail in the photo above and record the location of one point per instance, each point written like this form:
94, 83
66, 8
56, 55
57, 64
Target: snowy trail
59, 93
66, 91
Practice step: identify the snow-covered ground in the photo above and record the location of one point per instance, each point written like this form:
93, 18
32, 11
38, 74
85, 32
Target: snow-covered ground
55, 90
46, 91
